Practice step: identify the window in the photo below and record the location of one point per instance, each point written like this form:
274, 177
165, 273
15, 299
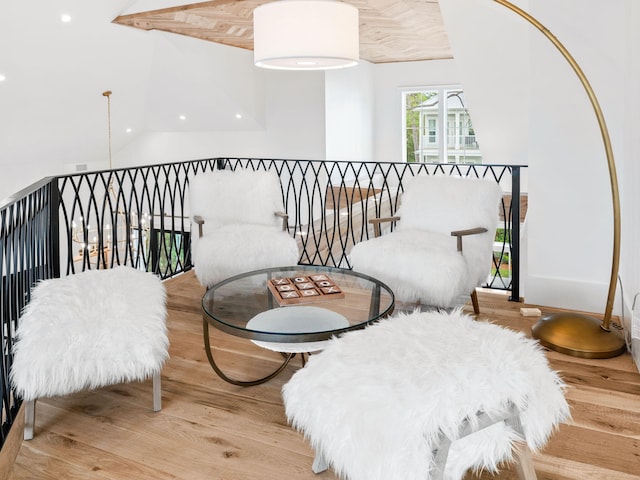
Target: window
170, 251
437, 127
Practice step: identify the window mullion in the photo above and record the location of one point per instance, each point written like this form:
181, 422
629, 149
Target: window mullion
442, 126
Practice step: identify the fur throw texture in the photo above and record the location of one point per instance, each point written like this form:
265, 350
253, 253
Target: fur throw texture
225, 197
375, 400
241, 232
235, 249
240, 196
91, 329
418, 266
419, 260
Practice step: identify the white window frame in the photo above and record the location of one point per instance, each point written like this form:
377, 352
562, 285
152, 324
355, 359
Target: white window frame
442, 126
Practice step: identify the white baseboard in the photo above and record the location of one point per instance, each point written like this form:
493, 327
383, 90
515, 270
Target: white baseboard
633, 334
571, 294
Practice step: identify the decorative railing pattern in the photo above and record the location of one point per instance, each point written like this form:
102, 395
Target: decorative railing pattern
28, 253
140, 217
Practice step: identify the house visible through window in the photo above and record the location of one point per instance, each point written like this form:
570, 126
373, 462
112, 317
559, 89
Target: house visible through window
437, 127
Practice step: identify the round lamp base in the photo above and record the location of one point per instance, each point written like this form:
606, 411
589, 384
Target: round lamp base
578, 335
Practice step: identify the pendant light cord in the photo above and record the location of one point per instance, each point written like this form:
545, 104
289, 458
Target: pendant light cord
108, 95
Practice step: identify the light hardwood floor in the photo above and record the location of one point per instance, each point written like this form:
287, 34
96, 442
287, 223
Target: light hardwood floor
209, 429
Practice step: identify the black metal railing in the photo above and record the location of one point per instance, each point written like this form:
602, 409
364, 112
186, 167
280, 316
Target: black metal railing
136, 216
28, 253
140, 217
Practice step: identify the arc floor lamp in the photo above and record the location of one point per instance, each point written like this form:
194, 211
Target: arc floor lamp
573, 333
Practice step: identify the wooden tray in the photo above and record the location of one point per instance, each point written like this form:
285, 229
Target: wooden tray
305, 289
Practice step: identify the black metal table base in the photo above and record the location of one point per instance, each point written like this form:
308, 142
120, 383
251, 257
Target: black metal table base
242, 383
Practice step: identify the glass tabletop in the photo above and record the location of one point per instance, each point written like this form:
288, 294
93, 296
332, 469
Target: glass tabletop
251, 305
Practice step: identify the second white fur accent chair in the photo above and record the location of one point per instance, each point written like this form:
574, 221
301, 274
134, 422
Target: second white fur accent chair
241, 224
426, 396
89, 330
442, 246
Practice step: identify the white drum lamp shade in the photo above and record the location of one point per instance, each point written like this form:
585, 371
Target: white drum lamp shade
306, 35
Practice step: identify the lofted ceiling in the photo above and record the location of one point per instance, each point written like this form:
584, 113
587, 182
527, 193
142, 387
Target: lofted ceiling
390, 30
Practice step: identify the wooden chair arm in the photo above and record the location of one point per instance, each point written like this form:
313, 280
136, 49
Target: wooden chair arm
377, 221
200, 221
470, 231
285, 219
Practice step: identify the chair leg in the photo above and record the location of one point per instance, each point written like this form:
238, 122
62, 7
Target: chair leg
474, 301
29, 419
157, 392
524, 464
319, 464
440, 457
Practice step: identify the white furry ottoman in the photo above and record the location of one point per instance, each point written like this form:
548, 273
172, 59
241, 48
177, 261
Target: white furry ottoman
377, 403
88, 330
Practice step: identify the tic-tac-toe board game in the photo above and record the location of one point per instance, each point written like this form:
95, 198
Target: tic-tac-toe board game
304, 289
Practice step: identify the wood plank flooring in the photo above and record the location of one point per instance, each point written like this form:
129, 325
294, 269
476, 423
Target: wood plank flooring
209, 429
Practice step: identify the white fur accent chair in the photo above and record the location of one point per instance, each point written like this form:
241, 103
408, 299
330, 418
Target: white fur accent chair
241, 224
425, 258
427, 395
89, 330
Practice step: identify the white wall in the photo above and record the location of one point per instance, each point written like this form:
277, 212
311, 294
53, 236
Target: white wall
569, 217
53, 115
52, 111
491, 56
293, 128
390, 80
350, 101
570, 191
630, 174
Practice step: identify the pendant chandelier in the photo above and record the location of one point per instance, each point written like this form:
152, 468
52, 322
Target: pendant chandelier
106, 228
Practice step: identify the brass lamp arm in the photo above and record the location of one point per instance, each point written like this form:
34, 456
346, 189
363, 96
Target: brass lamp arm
607, 146
573, 333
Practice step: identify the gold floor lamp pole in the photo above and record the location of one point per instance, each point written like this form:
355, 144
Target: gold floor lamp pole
573, 333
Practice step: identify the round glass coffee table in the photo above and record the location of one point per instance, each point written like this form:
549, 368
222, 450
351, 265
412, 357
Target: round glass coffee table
292, 309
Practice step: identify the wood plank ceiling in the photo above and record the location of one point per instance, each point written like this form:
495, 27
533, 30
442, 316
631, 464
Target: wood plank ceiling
390, 30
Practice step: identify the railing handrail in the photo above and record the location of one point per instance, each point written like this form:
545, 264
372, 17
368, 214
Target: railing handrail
268, 160
21, 194
45, 180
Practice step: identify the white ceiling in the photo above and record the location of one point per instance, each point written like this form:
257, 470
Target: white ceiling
53, 112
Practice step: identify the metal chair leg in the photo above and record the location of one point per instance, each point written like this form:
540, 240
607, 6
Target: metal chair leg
29, 419
157, 392
319, 464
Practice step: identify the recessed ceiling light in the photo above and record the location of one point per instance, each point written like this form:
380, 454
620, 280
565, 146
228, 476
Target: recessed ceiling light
238, 115
182, 117
65, 18
2, 78
128, 130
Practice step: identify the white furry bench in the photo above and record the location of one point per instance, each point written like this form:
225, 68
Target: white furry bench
88, 330
404, 397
